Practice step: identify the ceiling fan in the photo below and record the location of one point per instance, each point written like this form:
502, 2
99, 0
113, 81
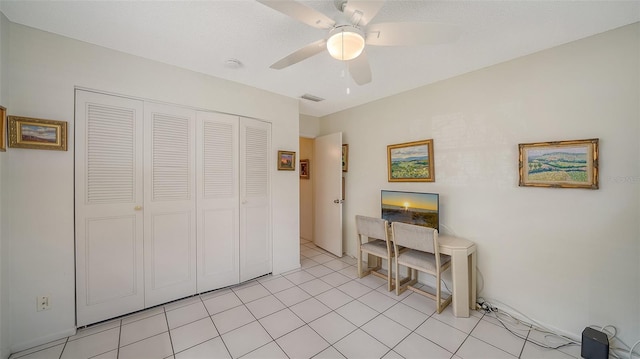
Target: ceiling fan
350, 32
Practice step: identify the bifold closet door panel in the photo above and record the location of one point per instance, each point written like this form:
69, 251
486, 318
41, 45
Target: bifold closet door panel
255, 199
217, 171
108, 201
170, 203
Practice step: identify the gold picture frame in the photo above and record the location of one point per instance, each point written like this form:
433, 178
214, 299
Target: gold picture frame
345, 158
3, 129
39, 134
304, 169
286, 161
411, 162
559, 164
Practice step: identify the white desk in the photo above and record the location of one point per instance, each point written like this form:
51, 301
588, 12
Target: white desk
463, 272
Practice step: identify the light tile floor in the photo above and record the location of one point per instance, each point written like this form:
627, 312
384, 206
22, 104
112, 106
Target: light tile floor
321, 310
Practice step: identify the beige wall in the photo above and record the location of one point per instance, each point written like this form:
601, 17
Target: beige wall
565, 257
309, 126
309, 129
38, 186
306, 191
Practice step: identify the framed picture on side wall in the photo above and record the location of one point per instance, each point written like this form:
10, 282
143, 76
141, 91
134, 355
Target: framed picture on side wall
37, 134
304, 169
3, 129
345, 158
286, 161
411, 162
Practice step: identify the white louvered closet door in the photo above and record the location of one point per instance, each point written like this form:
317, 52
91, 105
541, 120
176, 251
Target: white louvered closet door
218, 200
170, 203
108, 180
255, 199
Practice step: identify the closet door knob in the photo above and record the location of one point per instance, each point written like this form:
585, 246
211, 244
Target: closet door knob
137, 208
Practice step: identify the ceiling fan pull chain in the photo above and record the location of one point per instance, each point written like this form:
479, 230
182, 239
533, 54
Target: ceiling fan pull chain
345, 71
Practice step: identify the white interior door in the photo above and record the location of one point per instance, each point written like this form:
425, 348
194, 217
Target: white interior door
218, 204
328, 193
170, 204
255, 199
109, 224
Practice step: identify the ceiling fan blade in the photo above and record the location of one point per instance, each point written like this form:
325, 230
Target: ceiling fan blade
361, 12
301, 54
300, 12
359, 69
411, 33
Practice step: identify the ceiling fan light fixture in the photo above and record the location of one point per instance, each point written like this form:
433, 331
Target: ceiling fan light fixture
345, 43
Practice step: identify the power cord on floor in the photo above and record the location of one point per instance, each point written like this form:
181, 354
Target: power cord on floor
503, 317
490, 309
633, 347
613, 340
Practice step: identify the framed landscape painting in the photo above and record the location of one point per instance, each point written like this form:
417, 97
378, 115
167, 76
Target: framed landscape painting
286, 161
37, 134
411, 162
563, 164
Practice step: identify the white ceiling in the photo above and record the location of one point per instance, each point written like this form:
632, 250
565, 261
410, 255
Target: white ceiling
202, 35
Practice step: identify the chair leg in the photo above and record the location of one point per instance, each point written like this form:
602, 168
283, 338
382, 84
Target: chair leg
397, 277
438, 294
359, 263
389, 274
441, 303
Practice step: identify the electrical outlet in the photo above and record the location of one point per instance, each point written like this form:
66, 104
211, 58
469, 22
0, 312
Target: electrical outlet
43, 303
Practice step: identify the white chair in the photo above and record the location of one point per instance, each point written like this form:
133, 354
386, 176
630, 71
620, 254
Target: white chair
377, 244
421, 253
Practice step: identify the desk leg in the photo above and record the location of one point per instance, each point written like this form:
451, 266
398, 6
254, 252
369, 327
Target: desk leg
473, 278
460, 275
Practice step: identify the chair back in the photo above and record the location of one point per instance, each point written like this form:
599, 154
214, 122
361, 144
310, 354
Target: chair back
371, 227
415, 237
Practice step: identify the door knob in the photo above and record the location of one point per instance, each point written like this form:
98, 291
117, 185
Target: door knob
137, 208
338, 201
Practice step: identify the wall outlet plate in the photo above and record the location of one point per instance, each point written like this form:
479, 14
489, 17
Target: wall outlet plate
42, 303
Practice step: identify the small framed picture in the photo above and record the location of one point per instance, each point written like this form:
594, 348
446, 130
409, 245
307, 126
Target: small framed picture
345, 158
286, 161
35, 133
562, 164
3, 129
304, 169
411, 162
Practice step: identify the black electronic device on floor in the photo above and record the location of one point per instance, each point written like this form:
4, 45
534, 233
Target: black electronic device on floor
595, 344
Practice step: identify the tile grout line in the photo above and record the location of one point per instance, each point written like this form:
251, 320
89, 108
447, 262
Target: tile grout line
63, 347
381, 313
307, 324
361, 326
334, 311
262, 326
166, 320
467, 336
119, 339
214, 326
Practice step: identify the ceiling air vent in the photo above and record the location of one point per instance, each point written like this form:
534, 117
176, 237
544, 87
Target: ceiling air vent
312, 98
